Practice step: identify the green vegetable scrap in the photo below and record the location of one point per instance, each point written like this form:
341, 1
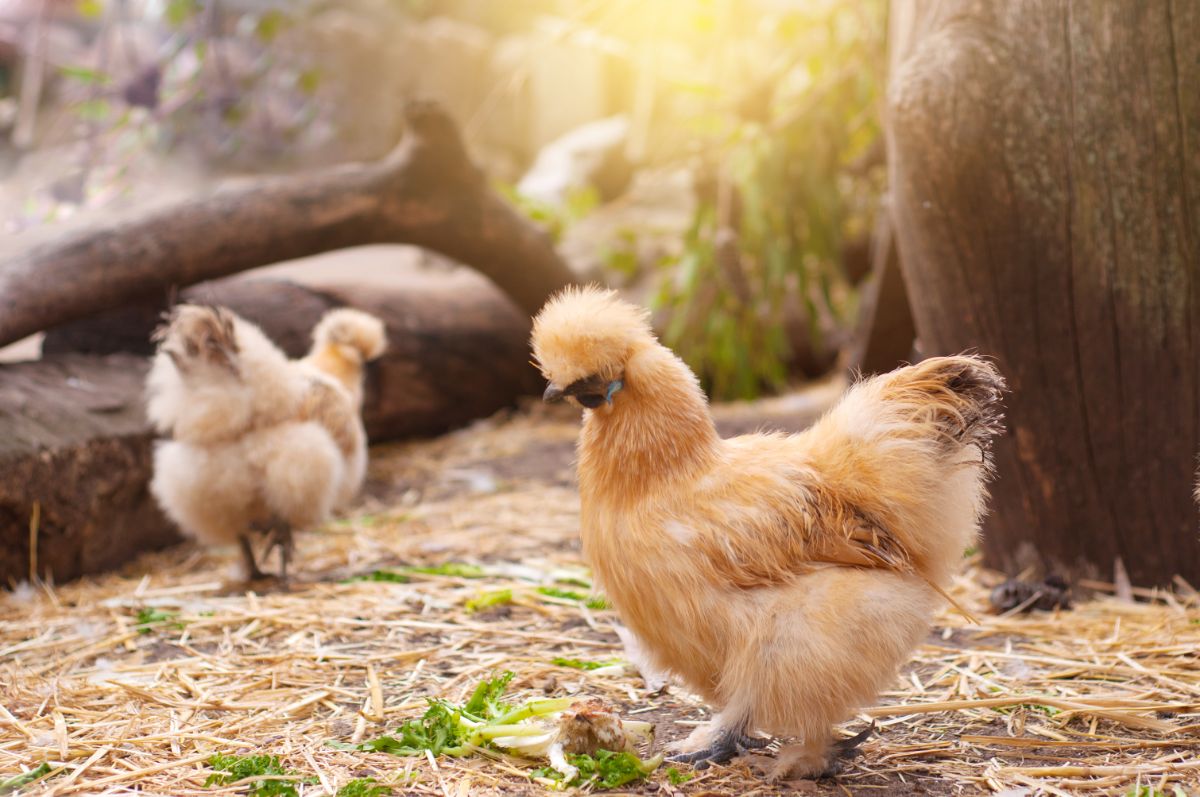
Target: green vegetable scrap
276, 781
446, 729
591, 601
500, 597
531, 730
605, 770
149, 618
364, 787
390, 576
25, 778
456, 569
580, 664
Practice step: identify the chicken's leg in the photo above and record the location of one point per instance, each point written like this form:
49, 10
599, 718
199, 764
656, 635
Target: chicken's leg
252, 571
286, 546
279, 535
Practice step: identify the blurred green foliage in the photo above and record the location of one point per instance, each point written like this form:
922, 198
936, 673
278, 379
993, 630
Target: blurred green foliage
786, 177
553, 219
222, 84
777, 115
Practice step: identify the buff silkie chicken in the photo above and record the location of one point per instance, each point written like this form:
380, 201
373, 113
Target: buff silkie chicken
258, 442
784, 578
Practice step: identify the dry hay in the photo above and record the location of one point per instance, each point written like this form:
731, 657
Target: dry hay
1101, 699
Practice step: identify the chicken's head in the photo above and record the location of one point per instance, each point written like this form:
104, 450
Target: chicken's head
199, 337
583, 338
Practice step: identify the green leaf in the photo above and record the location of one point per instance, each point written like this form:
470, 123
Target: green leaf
308, 81
389, 576
500, 597
445, 728
604, 770
149, 618
676, 777
455, 569
591, 601
485, 700
93, 110
180, 11
232, 768
580, 664
84, 74
439, 731
270, 25
25, 778
364, 787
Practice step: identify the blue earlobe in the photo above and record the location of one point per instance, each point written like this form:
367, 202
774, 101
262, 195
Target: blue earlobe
613, 387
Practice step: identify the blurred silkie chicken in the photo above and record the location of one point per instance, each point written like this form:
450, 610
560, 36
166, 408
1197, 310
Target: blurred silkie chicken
259, 444
784, 578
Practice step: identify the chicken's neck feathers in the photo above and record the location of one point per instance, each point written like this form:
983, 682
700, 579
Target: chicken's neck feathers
656, 429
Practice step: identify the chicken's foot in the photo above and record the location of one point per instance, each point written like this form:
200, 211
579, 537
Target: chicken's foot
844, 750
848, 748
727, 744
281, 538
279, 535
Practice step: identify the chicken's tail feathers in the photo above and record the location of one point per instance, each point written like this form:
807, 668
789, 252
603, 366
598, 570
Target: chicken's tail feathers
199, 333
353, 330
962, 396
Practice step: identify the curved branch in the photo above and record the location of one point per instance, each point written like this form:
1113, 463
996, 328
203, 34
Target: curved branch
427, 193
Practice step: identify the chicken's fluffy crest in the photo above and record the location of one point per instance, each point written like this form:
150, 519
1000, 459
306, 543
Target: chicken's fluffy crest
583, 331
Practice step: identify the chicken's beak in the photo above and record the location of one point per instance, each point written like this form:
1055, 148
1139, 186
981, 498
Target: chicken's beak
553, 392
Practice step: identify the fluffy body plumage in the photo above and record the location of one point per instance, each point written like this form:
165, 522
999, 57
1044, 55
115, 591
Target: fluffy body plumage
782, 577
258, 442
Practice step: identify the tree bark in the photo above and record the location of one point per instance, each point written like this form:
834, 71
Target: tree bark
883, 339
1044, 171
426, 193
75, 449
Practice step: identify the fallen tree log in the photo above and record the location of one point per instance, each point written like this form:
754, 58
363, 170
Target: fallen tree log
427, 193
75, 449
74, 465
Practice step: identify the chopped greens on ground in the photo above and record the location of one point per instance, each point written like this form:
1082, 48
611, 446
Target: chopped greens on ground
500, 597
591, 601
580, 664
485, 600
275, 780
388, 576
604, 770
456, 569
364, 787
576, 736
149, 618
404, 575
25, 778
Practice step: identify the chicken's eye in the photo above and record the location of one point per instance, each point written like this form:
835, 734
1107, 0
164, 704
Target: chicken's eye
590, 400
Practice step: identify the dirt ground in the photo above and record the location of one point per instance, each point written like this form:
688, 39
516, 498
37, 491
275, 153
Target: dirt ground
1102, 699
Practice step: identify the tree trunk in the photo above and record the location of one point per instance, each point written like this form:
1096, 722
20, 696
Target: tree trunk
1044, 173
75, 449
426, 193
883, 337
